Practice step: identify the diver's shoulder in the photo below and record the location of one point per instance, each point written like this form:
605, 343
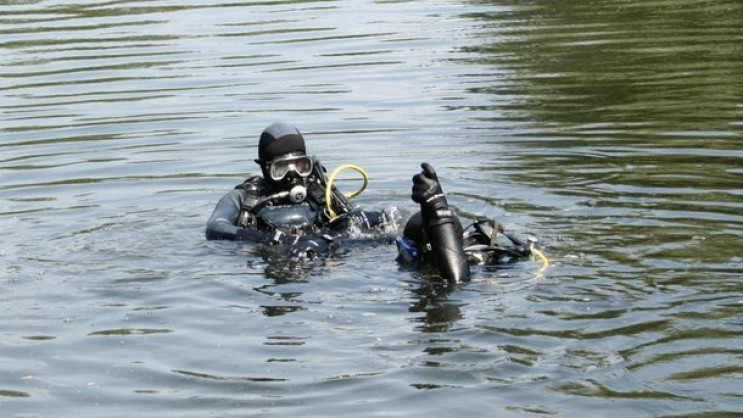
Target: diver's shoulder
254, 184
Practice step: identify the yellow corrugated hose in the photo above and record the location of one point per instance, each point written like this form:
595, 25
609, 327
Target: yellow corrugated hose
543, 258
331, 179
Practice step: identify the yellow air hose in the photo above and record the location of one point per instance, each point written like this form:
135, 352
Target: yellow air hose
331, 179
543, 258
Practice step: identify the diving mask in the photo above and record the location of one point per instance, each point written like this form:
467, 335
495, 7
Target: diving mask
300, 164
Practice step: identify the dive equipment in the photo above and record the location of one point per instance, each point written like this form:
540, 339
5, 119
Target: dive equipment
331, 197
542, 257
482, 246
295, 219
279, 168
408, 251
297, 194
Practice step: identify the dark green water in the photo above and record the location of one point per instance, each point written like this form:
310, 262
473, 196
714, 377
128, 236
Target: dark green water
608, 129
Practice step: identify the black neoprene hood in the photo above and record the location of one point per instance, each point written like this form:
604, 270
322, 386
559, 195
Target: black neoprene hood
280, 139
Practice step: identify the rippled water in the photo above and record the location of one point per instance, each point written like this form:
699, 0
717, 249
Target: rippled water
609, 129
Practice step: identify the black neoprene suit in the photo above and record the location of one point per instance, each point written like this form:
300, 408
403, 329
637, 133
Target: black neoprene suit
223, 224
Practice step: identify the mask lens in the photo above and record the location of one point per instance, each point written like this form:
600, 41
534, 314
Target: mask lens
302, 165
279, 169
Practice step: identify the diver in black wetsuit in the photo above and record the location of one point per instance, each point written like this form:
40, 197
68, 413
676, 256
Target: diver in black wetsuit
287, 207
435, 235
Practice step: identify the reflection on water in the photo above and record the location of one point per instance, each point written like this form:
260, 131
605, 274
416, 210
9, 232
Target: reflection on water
606, 129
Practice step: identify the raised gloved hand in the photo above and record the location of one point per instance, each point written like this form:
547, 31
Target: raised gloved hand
427, 191
426, 184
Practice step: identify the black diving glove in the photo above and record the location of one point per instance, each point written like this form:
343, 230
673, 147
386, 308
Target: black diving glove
427, 190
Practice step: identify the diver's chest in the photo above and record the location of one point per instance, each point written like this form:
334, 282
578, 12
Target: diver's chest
289, 218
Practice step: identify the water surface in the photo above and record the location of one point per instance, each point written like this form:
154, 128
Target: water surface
609, 130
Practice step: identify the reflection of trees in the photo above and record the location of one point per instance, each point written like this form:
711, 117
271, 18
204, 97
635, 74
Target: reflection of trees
643, 94
629, 113
666, 64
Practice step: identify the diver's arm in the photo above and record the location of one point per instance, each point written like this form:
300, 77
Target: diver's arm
441, 225
223, 222
222, 225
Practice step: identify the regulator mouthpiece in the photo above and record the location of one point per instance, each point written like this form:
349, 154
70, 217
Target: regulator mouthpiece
297, 194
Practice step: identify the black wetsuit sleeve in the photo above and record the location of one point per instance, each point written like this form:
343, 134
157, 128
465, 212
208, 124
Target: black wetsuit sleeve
447, 248
222, 224
441, 225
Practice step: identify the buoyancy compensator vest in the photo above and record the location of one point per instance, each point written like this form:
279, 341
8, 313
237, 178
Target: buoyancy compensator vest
295, 212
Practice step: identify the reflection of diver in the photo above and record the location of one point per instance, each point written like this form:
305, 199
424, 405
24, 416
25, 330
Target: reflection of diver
435, 235
439, 313
293, 208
